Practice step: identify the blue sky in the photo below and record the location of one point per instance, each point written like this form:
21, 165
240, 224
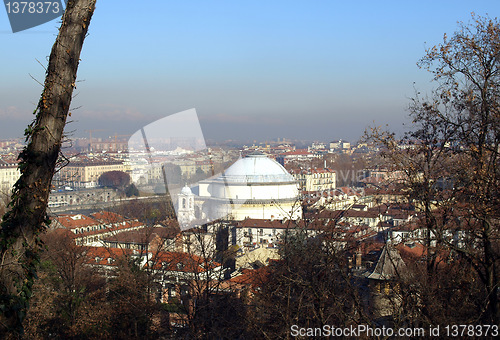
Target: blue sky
310, 69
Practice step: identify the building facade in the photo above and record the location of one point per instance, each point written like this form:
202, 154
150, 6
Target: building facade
86, 174
315, 179
9, 174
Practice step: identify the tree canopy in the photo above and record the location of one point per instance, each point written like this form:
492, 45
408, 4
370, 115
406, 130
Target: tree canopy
114, 179
451, 155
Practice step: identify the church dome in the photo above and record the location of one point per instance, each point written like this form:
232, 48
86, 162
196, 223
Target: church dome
257, 168
186, 191
253, 187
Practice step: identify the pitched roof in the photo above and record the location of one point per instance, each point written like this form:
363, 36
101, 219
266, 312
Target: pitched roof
102, 223
389, 266
361, 214
76, 221
106, 256
253, 277
108, 217
415, 251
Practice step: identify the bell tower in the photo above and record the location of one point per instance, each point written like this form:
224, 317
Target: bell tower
185, 208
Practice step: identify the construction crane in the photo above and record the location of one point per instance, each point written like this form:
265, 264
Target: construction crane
90, 137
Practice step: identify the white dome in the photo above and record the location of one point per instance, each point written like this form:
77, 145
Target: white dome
257, 168
186, 191
255, 186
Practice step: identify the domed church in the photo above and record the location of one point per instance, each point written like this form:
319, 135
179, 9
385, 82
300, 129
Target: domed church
253, 187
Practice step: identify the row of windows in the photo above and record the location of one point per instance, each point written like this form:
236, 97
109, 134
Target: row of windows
10, 173
87, 229
87, 240
259, 232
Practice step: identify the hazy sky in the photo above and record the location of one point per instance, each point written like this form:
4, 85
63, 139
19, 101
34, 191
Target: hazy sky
309, 69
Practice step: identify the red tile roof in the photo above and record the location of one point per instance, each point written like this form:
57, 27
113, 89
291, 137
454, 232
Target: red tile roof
253, 277
76, 221
106, 256
108, 217
102, 222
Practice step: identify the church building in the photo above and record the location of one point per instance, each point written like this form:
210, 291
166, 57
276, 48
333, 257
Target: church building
255, 186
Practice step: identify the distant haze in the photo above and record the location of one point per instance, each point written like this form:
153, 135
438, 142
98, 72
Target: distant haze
253, 70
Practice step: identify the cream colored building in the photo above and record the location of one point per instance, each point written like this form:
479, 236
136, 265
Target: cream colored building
9, 174
89, 231
315, 179
63, 198
189, 168
86, 174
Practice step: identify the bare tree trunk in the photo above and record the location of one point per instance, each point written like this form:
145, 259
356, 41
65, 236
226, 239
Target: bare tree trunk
21, 226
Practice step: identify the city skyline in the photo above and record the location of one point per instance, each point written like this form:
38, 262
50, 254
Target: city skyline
252, 70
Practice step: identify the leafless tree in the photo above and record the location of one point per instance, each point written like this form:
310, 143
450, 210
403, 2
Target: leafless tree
451, 157
311, 285
69, 295
21, 226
